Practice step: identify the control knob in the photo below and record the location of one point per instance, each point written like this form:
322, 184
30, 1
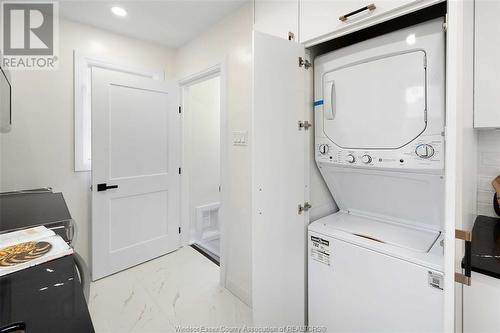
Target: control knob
366, 159
350, 158
424, 151
323, 149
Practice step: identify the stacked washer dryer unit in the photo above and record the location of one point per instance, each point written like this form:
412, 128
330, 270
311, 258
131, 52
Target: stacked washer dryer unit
377, 263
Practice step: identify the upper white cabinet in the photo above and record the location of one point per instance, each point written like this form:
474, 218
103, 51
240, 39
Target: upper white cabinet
277, 18
487, 64
323, 18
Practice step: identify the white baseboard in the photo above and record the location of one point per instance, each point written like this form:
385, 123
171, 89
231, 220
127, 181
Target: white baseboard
236, 290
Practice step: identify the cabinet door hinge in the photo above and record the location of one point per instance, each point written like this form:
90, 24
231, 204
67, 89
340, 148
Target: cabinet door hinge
304, 63
180, 109
180, 171
179, 229
291, 36
304, 125
304, 208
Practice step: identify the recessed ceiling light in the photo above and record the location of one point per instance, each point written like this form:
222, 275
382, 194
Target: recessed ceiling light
119, 11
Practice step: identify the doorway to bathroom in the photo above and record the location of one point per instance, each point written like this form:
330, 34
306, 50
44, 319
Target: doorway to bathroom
201, 117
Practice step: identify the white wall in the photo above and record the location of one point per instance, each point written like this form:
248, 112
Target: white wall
202, 112
488, 169
39, 150
231, 41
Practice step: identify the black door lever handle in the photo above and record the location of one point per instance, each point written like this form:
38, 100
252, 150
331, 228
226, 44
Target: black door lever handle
104, 187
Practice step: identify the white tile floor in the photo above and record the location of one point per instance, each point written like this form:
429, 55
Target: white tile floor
212, 245
178, 289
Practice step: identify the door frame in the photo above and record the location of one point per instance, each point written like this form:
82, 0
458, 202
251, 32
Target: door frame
219, 70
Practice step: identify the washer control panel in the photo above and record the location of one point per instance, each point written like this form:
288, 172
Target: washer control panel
424, 150
427, 152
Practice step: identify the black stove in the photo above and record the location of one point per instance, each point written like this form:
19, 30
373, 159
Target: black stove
48, 297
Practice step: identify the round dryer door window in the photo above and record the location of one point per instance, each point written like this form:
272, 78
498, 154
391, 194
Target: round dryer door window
378, 103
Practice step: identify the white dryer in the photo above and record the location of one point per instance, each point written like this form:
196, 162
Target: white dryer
376, 265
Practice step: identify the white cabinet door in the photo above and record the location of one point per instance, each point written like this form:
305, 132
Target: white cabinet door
487, 64
279, 183
277, 18
322, 17
482, 305
135, 179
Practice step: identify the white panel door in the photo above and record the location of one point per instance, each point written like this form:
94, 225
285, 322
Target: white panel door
279, 183
135, 153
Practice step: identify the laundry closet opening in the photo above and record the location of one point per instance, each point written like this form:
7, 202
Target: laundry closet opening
329, 79
201, 108
321, 200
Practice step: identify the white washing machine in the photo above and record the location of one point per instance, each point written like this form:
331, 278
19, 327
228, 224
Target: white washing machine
376, 265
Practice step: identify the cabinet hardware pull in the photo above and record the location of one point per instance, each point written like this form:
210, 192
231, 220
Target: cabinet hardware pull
467, 262
370, 7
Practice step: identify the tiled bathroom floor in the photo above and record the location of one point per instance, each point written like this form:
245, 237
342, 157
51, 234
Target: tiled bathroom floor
176, 290
212, 246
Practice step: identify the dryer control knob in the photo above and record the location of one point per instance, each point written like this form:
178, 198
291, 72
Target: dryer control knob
323, 149
366, 159
350, 158
424, 151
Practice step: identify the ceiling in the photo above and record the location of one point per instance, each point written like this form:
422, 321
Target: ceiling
170, 23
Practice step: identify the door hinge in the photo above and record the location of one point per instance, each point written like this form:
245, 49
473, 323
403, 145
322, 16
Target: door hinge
180, 109
304, 208
291, 35
304, 63
180, 171
445, 23
179, 229
304, 125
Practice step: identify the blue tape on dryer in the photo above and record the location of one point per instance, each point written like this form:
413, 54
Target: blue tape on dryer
318, 103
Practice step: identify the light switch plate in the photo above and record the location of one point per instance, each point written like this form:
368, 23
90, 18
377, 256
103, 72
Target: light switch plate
240, 138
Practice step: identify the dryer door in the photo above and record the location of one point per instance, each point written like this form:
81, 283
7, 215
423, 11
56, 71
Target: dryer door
377, 103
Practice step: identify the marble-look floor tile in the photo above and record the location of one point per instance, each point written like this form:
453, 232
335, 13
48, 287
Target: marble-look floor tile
178, 289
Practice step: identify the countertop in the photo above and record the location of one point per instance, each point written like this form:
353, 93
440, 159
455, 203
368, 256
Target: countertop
486, 246
47, 298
